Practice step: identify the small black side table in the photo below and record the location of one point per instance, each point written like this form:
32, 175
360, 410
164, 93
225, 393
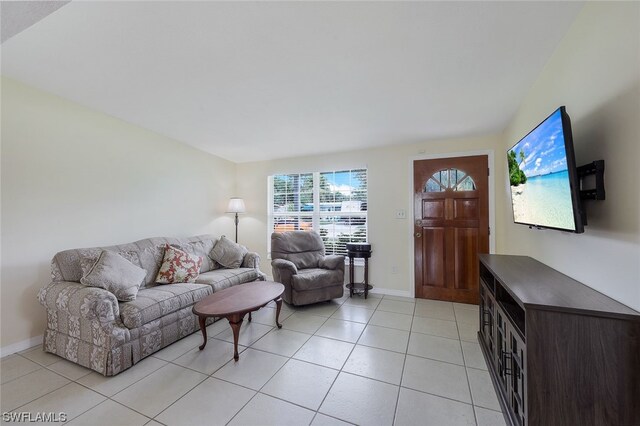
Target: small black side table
359, 287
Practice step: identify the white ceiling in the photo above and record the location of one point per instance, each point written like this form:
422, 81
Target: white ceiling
254, 81
16, 16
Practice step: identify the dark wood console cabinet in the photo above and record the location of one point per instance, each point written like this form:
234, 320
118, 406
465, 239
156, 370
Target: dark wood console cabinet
558, 352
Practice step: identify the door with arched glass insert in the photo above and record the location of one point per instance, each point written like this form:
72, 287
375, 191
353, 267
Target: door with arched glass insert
451, 216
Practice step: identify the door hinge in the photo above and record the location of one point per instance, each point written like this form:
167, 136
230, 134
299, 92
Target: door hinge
489, 230
488, 171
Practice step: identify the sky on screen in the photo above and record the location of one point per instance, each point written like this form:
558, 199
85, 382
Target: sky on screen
543, 148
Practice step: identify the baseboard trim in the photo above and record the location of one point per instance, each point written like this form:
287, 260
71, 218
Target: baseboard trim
391, 292
20, 346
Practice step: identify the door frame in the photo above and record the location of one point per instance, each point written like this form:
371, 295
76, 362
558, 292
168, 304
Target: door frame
492, 217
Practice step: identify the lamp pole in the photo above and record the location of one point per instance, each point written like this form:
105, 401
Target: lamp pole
236, 205
237, 221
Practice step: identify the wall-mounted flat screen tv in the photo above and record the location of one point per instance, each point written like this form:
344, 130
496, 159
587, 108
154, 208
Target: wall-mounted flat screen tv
543, 177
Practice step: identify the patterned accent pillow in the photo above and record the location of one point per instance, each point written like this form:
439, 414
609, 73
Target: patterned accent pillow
201, 249
115, 274
228, 254
178, 266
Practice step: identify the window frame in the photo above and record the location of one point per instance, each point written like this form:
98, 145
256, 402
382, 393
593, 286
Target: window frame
457, 186
316, 215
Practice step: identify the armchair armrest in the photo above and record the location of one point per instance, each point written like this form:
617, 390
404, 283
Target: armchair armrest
251, 260
333, 261
90, 303
285, 265
283, 272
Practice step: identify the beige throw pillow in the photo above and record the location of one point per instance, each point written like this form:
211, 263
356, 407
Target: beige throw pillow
89, 257
227, 253
115, 274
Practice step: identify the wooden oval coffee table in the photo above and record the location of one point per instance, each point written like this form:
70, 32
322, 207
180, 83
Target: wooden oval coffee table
234, 303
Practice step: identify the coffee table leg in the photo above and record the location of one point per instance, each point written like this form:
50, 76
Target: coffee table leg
278, 306
235, 321
203, 328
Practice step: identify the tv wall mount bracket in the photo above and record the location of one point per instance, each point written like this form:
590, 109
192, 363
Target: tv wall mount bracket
594, 168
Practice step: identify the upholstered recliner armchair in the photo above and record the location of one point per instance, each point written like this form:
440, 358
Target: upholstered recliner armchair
299, 262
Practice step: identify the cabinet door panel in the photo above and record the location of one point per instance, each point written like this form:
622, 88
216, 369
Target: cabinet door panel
502, 349
488, 322
517, 394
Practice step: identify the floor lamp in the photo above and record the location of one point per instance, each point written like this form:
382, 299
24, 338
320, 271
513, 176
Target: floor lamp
236, 205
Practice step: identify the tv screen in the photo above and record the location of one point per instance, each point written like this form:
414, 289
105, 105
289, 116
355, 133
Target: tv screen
543, 176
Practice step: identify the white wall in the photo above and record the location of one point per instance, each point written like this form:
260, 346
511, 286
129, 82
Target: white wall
390, 185
595, 72
73, 177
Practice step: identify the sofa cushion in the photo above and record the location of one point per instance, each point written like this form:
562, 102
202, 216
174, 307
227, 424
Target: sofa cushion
66, 265
116, 274
223, 278
153, 303
178, 266
314, 278
227, 253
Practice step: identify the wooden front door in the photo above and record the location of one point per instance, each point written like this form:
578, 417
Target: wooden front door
451, 226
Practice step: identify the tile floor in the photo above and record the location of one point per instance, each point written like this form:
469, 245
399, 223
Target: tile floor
381, 361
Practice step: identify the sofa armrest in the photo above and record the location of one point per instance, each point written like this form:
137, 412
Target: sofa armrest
90, 303
251, 260
332, 262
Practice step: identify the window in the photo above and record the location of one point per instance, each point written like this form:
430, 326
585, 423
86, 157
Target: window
332, 203
454, 179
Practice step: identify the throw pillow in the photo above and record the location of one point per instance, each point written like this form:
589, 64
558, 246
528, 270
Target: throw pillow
227, 253
178, 266
200, 249
89, 257
115, 274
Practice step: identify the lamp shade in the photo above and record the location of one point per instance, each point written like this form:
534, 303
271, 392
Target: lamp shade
236, 205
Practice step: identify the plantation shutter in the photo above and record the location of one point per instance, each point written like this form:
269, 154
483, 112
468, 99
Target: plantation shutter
334, 204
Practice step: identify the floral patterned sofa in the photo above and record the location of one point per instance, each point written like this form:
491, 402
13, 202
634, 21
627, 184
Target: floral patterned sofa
88, 326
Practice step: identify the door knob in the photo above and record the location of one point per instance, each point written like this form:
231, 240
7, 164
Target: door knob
418, 235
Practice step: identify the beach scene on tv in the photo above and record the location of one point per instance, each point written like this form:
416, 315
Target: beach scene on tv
539, 178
